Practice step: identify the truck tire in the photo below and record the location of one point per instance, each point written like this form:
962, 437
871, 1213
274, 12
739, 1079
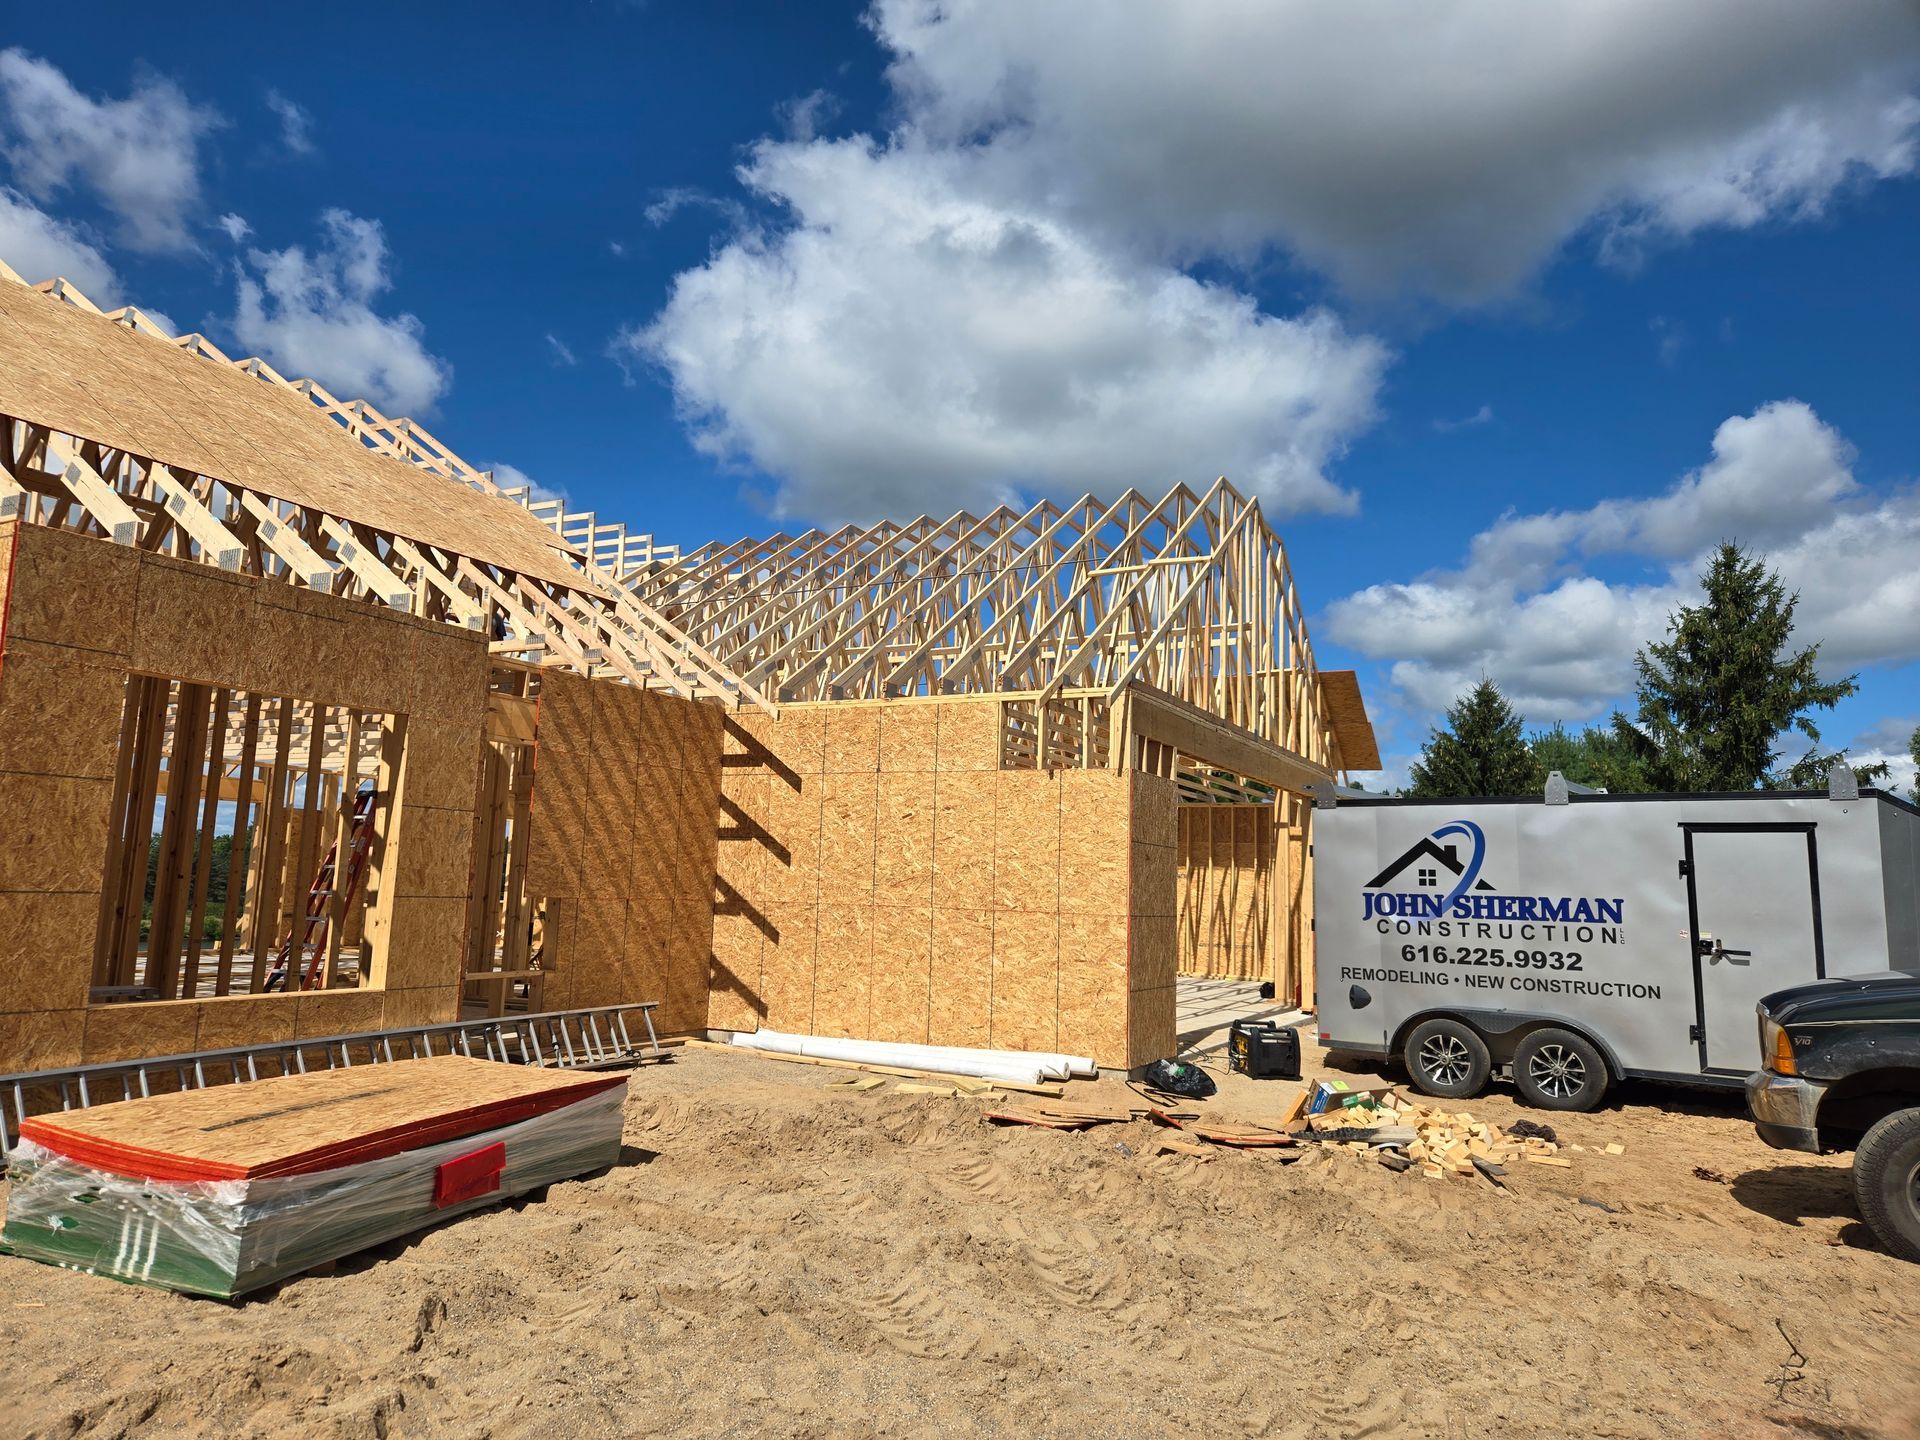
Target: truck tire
1558, 1070
1447, 1059
1886, 1182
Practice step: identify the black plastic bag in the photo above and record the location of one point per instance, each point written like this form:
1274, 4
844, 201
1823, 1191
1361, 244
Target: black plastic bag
1177, 1079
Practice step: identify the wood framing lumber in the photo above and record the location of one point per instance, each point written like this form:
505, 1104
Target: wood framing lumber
95, 495
1155, 715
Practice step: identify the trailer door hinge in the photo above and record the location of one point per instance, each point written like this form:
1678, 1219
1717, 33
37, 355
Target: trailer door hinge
1684, 871
1694, 1032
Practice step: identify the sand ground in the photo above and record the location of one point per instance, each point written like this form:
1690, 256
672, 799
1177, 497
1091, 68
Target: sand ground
771, 1257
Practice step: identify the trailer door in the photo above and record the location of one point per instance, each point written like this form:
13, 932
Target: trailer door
1753, 898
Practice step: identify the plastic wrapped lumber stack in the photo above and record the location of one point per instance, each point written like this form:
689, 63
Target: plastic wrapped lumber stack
224, 1190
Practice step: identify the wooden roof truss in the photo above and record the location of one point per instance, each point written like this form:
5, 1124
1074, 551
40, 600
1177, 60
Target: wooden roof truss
1189, 595
595, 626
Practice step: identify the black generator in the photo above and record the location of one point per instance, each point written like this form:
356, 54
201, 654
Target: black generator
1263, 1050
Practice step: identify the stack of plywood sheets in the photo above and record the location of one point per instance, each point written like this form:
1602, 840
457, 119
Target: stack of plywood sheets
224, 1190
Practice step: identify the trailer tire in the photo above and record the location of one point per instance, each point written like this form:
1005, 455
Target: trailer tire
1448, 1059
1886, 1182
1556, 1069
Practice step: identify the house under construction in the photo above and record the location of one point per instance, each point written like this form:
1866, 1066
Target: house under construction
307, 727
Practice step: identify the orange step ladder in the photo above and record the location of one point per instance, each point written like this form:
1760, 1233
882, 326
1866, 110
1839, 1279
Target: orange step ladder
318, 919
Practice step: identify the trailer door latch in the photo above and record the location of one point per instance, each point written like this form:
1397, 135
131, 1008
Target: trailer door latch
1694, 1032
1684, 871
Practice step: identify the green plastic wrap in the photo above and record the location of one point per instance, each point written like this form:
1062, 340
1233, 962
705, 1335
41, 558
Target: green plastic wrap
226, 1237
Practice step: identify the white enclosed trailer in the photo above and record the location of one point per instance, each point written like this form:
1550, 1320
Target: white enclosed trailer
1583, 938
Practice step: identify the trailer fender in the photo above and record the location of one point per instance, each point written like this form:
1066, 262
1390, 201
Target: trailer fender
1497, 1025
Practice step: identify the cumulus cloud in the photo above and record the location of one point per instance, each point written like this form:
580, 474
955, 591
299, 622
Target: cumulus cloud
909, 344
40, 247
312, 314
140, 155
1525, 610
235, 227
1447, 149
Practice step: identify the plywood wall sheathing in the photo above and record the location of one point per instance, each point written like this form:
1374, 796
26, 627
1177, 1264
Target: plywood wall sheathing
81, 616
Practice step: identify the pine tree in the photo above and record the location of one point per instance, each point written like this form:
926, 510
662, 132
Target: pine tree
1724, 686
1595, 756
1480, 752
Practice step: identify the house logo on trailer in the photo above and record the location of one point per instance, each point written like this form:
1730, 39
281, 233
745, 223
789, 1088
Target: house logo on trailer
1447, 886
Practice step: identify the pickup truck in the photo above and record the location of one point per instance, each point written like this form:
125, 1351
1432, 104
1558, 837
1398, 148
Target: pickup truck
1841, 1071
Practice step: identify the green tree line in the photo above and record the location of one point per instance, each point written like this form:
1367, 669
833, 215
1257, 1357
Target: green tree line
220, 868
1714, 700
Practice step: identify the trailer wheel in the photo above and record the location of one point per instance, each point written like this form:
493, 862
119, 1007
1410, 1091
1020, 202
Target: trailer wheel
1447, 1059
1559, 1070
1886, 1182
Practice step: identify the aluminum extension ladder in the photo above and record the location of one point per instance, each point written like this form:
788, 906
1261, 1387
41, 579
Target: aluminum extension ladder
594, 1039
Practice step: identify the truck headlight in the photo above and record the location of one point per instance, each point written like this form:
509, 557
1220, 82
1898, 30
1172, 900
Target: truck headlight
1776, 1048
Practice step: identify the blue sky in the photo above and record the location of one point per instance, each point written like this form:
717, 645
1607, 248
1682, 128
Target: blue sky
1506, 311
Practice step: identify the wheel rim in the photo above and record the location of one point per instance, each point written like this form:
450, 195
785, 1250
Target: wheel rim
1557, 1072
1445, 1060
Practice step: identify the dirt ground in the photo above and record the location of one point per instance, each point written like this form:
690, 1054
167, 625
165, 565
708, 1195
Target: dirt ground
771, 1257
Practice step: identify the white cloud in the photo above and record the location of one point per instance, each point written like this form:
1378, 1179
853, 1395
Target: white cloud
1888, 742
296, 124
1560, 641
1445, 148
804, 118
1482, 416
235, 226
140, 155
40, 247
512, 477
910, 344
312, 314
560, 352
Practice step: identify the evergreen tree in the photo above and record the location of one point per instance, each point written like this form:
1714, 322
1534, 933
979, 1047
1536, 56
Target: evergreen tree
1596, 756
1480, 752
1913, 749
1724, 686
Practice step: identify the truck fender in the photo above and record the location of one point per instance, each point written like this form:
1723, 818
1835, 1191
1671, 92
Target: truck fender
1492, 1023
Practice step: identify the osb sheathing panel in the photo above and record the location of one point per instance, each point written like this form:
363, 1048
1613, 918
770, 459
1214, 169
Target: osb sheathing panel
85, 375
1026, 981
1094, 827
963, 840
1150, 1026
42, 1040
843, 971
56, 832
1154, 953
337, 1012
46, 950
441, 764
908, 732
733, 978
1227, 891
435, 853
689, 954
565, 711
902, 940
235, 1020
450, 670
427, 945
1156, 876
786, 966
969, 735
438, 1006
1093, 985
848, 832
903, 852
960, 987
1026, 848
132, 1032
59, 711
853, 739
69, 589
1156, 810
190, 619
